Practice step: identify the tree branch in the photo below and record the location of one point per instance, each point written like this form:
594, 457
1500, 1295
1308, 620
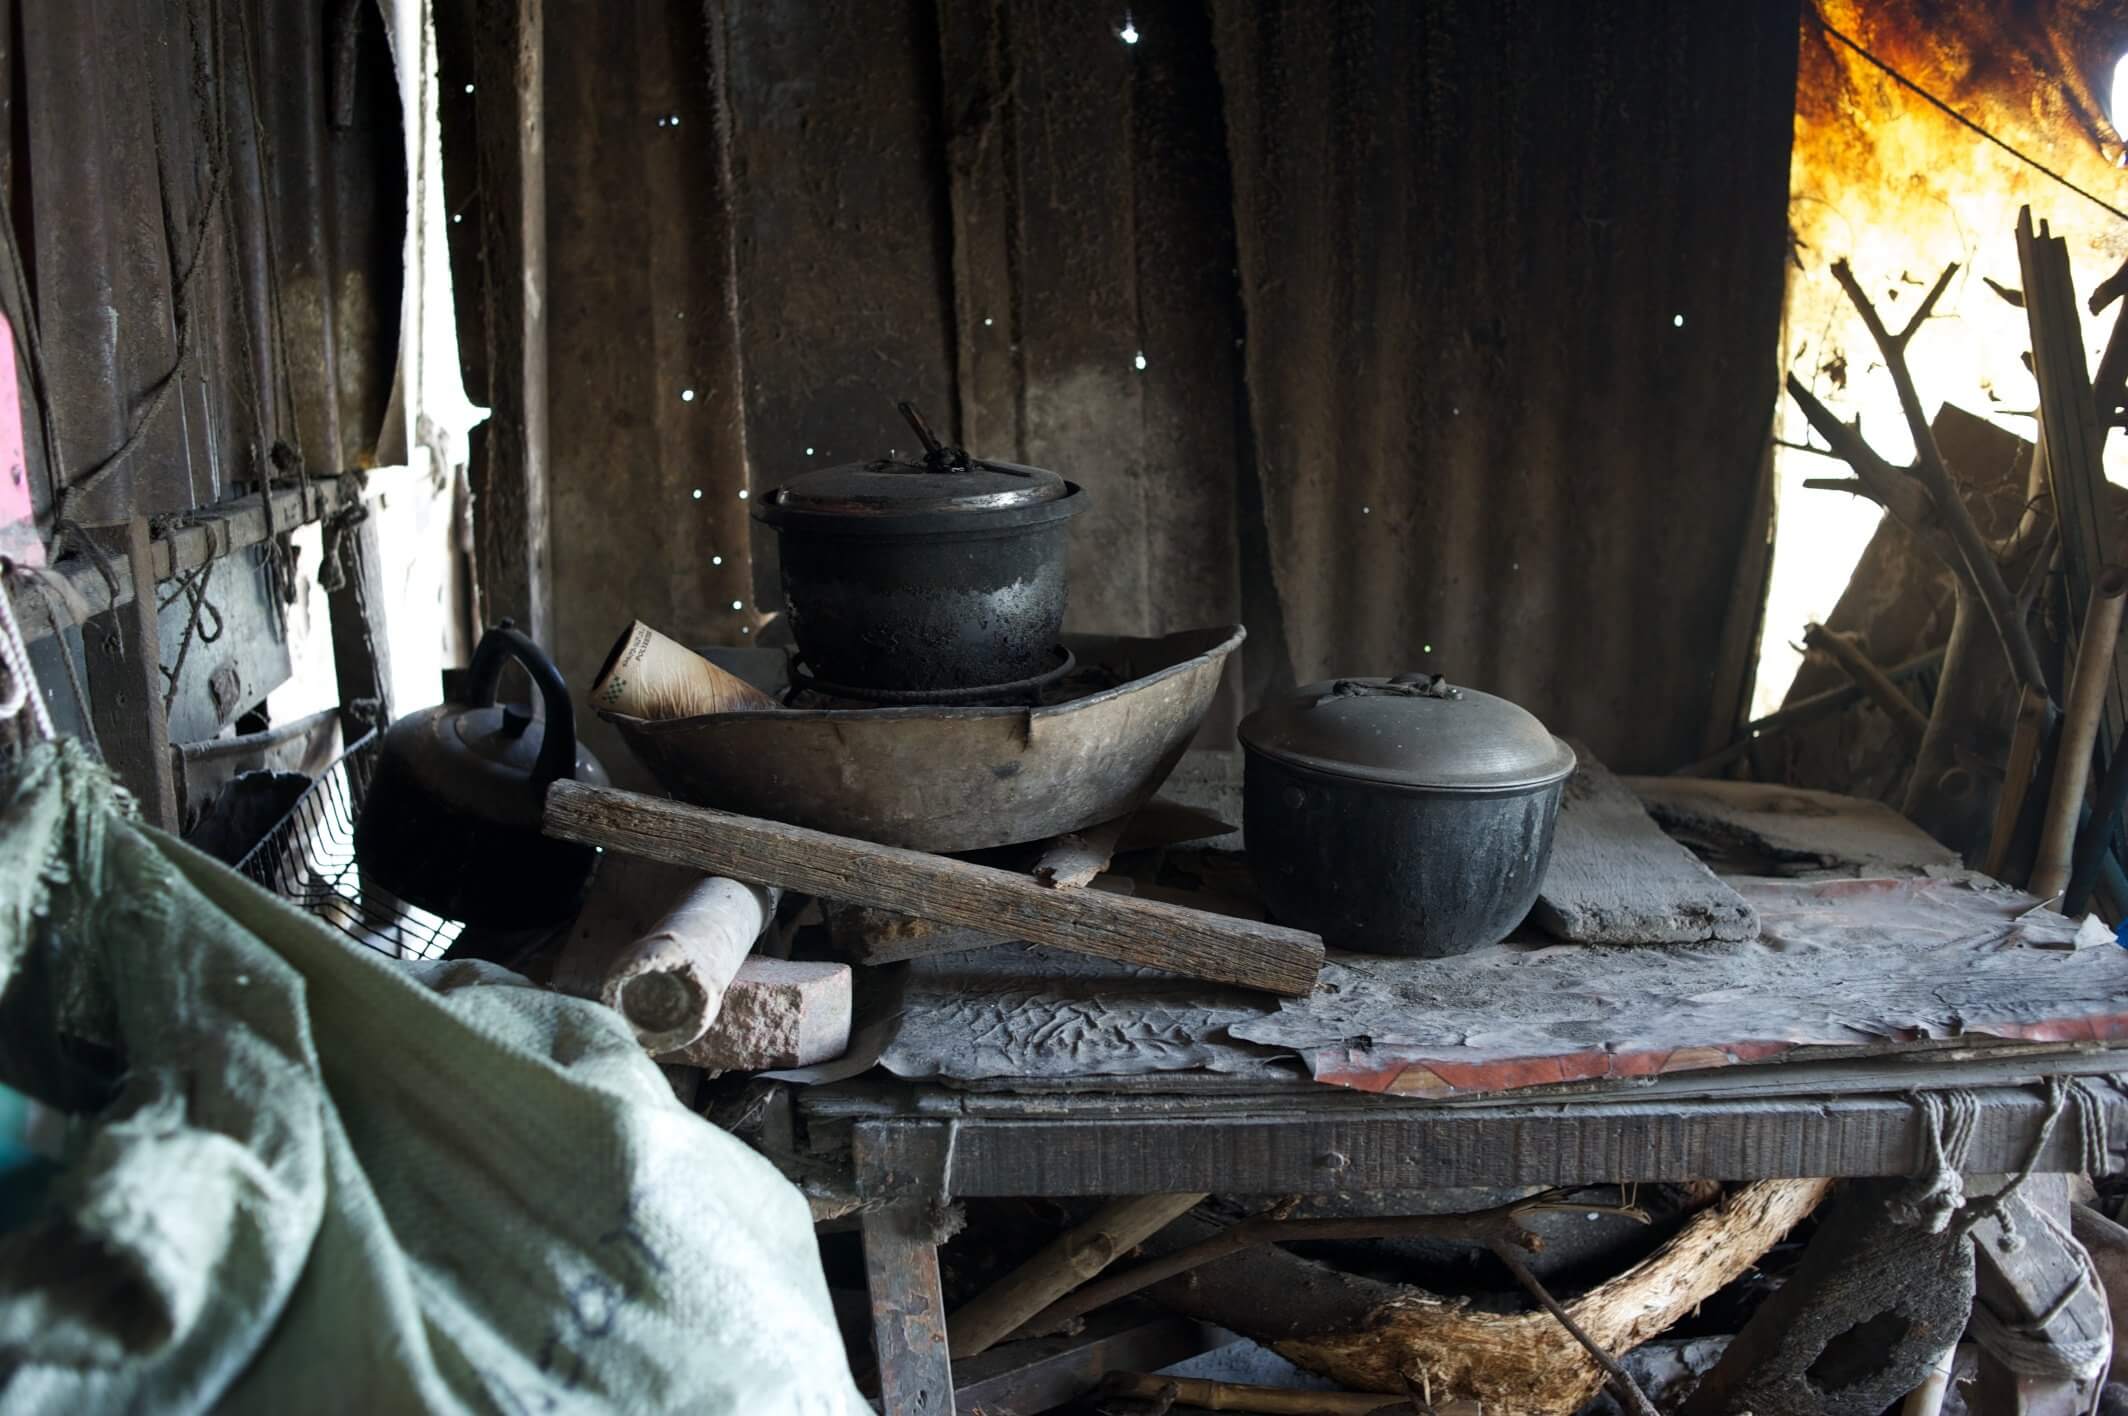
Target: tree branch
1928, 305
1933, 478
1853, 486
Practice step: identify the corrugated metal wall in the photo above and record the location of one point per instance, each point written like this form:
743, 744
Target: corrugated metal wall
1470, 417
192, 218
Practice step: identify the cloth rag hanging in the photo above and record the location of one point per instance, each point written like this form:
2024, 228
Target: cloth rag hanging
329, 1181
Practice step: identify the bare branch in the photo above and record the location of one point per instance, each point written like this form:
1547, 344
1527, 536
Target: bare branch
1928, 305
1894, 487
1854, 486
1856, 663
1971, 558
2010, 297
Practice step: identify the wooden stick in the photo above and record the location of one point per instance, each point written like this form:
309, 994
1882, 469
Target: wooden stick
2072, 762
1622, 1384
1480, 1228
1267, 1400
1150, 932
2035, 714
1857, 665
1074, 1257
670, 983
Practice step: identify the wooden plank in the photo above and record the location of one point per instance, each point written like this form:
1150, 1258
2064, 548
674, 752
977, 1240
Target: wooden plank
908, 1312
1389, 1147
2071, 439
2033, 1285
1615, 878
1150, 932
1774, 829
124, 658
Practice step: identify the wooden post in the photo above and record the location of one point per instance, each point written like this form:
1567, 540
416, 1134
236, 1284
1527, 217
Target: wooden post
123, 651
908, 1313
361, 654
491, 60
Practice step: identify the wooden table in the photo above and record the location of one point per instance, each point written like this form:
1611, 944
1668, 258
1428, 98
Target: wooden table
915, 1148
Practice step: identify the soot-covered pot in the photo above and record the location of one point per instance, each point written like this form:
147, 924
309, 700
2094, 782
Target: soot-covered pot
938, 575
1401, 815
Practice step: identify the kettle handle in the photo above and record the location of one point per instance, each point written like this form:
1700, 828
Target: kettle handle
557, 748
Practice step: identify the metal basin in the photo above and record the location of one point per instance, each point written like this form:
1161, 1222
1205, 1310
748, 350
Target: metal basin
946, 778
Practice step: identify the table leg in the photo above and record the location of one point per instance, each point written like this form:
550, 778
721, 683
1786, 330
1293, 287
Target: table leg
908, 1312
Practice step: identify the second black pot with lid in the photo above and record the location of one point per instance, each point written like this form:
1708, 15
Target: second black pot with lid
1400, 815
943, 575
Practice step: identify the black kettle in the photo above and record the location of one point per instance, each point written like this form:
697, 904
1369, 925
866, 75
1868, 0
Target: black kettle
451, 824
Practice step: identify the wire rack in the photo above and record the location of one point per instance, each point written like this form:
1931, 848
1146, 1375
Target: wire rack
308, 858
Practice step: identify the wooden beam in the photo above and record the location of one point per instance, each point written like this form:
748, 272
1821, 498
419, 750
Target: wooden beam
1150, 932
908, 1312
123, 652
205, 536
508, 467
1382, 1146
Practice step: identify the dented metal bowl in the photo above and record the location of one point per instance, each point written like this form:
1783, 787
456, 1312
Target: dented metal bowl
947, 778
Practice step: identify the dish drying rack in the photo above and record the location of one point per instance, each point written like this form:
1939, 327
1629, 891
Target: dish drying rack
308, 859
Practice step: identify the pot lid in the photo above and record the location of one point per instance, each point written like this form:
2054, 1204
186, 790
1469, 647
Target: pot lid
945, 479
1413, 730
888, 487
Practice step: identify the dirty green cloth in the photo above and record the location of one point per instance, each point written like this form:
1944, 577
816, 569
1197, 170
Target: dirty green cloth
331, 1182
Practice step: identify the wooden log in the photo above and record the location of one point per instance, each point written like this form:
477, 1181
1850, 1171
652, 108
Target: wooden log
1072, 1258
1375, 1336
670, 983
908, 1312
1149, 932
2080, 730
1872, 680
1209, 1395
1615, 878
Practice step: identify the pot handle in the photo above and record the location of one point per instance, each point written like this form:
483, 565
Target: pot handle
557, 748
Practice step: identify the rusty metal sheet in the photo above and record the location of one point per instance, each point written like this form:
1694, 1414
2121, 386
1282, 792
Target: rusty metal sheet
1513, 278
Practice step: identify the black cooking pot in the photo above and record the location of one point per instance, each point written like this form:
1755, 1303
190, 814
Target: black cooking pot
1400, 816
943, 574
451, 823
